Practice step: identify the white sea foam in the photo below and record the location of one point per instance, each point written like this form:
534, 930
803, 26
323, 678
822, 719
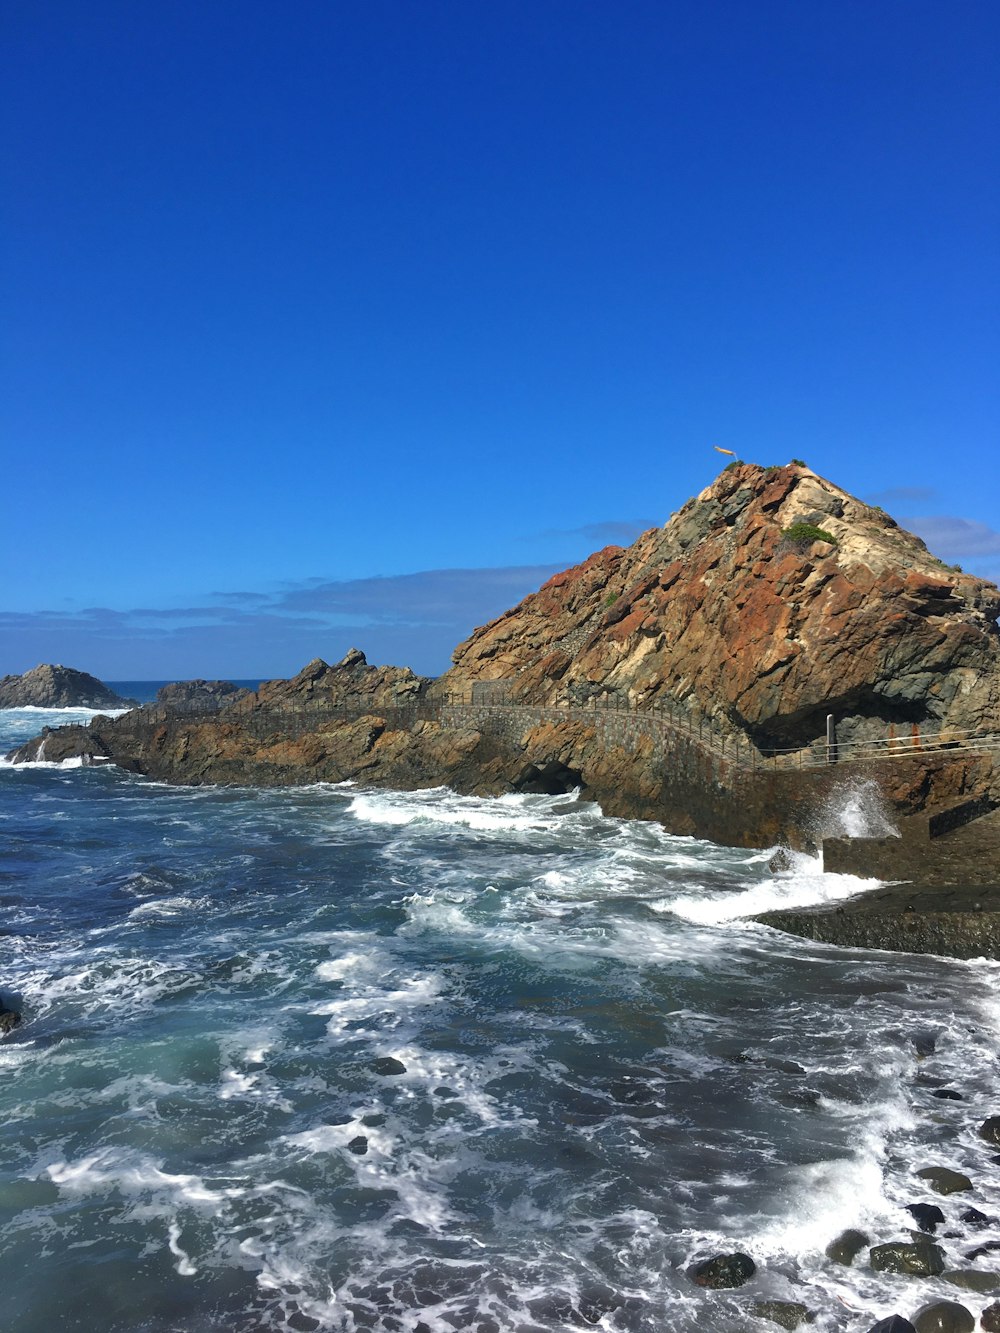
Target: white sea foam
807, 887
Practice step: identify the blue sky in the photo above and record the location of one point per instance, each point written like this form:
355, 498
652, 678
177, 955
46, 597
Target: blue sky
333, 324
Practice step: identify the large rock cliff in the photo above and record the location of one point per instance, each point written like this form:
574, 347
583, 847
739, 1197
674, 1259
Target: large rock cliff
739, 612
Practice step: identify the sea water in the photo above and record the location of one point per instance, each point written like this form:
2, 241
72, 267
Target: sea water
329, 1058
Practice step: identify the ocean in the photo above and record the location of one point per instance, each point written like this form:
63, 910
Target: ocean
329, 1058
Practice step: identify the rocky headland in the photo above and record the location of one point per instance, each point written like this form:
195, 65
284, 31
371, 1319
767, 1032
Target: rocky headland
49, 686
687, 678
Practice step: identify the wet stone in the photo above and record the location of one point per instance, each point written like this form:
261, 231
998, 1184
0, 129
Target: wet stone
358, 1145
926, 1215
988, 1247
894, 1324
920, 1259
847, 1246
925, 1044
973, 1279
787, 1314
989, 1319
944, 1317
945, 1181
947, 1095
373, 1120
977, 1219
723, 1271
388, 1066
990, 1129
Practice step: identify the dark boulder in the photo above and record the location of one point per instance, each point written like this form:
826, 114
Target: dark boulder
944, 1317
894, 1324
919, 1259
945, 1181
977, 1219
780, 861
847, 1246
926, 1215
723, 1270
947, 1095
924, 1043
358, 1145
989, 1319
787, 1314
990, 1129
389, 1066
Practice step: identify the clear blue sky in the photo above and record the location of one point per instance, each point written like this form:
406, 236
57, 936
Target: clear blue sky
336, 323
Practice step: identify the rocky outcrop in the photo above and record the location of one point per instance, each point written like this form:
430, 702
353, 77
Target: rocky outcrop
195, 694
733, 612
58, 687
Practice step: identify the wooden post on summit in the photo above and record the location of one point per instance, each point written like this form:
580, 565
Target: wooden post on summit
831, 739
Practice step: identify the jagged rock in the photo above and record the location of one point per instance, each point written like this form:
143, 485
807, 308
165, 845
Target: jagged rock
779, 862
715, 614
926, 1215
944, 1317
894, 1324
724, 1271
990, 1129
194, 693
787, 1314
847, 1246
989, 1319
945, 1181
977, 1219
919, 1259
358, 1145
925, 1044
49, 686
972, 1279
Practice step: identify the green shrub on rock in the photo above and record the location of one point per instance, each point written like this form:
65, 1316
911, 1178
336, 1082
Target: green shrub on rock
804, 534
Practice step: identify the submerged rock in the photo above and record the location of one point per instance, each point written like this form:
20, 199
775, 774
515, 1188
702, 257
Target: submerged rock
990, 1129
972, 1279
847, 1246
947, 1095
9, 1019
944, 1317
787, 1314
723, 1271
916, 1259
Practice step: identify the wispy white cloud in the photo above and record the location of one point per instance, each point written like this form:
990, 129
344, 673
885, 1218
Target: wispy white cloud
901, 495
955, 538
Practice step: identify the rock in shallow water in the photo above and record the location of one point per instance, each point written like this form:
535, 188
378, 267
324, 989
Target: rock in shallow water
973, 1279
990, 1129
847, 1246
944, 1317
921, 1259
723, 1271
926, 1215
944, 1180
787, 1314
9, 1019
388, 1066
894, 1324
989, 1319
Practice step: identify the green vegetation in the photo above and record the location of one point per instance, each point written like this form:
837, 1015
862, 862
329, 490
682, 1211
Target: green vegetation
798, 462
737, 462
804, 534
611, 598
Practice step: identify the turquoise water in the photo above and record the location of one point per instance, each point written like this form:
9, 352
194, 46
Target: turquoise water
334, 1059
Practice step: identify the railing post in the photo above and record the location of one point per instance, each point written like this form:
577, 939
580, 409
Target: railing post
831, 739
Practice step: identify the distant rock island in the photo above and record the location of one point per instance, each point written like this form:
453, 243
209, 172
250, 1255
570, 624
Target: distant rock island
49, 686
200, 693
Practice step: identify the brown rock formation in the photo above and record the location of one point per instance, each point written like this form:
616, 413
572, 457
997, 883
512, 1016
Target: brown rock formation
49, 686
721, 611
